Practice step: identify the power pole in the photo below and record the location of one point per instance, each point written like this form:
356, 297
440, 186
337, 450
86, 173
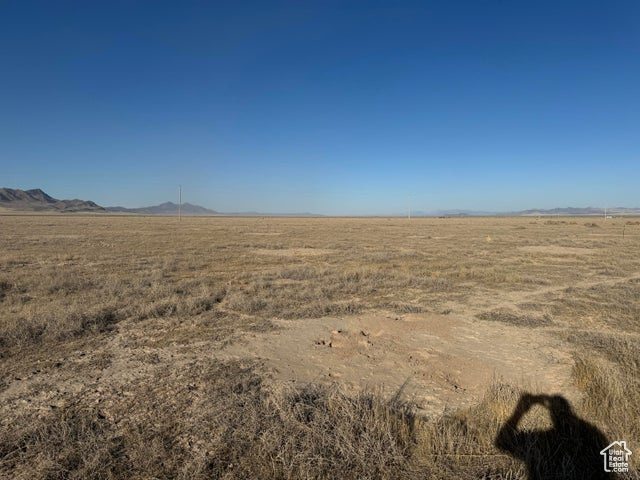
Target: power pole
180, 205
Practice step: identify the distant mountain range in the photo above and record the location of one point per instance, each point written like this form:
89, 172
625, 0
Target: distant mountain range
566, 211
167, 208
38, 201
262, 214
450, 213
583, 211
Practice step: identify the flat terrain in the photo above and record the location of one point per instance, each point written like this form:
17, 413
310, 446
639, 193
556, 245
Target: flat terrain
135, 347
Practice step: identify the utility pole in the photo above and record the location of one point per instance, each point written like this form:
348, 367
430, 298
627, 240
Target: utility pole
180, 205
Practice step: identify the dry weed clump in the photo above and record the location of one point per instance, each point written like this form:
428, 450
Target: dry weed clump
321, 432
519, 320
461, 444
81, 304
610, 380
21, 331
71, 443
235, 428
617, 304
4, 288
309, 292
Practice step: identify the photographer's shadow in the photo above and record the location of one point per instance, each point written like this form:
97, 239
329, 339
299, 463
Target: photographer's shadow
570, 450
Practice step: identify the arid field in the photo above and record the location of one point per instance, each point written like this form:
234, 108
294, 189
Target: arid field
144, 347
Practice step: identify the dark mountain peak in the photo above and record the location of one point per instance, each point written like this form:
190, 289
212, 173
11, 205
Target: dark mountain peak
5, 195
39, 195
36, 200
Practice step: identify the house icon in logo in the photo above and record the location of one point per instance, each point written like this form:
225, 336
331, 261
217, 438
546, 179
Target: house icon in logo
616, 457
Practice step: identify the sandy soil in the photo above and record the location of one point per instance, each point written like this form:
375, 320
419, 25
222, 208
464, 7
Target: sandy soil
440, 361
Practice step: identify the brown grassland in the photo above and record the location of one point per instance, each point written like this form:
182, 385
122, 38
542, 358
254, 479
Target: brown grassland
138, 348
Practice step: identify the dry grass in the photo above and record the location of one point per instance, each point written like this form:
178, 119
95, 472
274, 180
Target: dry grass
72, 443
110, 328
520, 320
234, 429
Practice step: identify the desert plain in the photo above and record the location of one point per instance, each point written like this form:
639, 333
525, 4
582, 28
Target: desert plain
152, 347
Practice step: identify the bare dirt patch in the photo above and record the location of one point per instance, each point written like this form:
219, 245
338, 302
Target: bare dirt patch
441, 362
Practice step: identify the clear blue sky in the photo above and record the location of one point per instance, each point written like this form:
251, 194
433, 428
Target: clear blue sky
328, 107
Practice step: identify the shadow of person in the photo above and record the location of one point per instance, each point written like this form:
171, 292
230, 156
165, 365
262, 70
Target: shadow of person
570, 450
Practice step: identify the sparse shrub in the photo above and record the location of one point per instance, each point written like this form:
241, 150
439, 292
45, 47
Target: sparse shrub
68, 282
99, 321
405, 308
4, 288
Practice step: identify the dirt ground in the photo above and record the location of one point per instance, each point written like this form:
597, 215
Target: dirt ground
128, 316
441, 362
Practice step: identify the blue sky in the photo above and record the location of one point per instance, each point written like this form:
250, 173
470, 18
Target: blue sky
326, 107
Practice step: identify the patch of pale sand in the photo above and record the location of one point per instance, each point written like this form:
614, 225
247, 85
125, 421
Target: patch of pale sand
558, 250
441, 362
266, 234
293, 252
